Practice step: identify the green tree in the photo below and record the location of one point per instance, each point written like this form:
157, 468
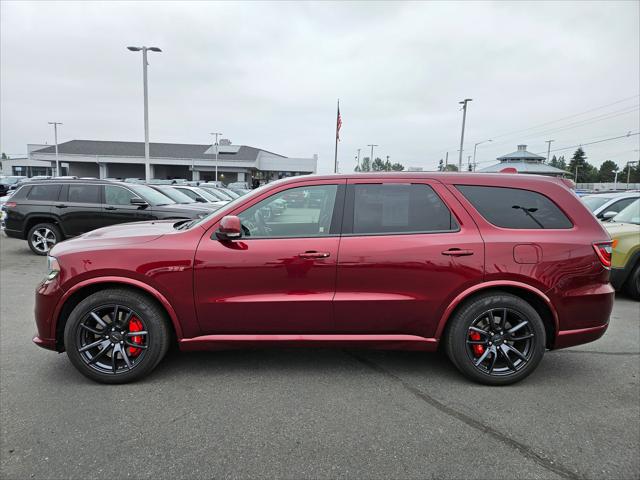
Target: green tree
441, 165
554, 162
606, 172
4, 156
397, 167
378, 165
587, 173
450, 168
634, 175
562, 164
365, 165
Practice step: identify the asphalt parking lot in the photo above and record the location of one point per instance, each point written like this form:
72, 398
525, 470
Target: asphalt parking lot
296, 413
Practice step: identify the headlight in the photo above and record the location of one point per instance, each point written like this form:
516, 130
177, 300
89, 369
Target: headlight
53, 268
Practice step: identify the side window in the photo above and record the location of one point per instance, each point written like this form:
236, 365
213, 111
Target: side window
296, 212
619, 205
114, 195
44, 192
389, 208
83, 194
189, 193
515, 208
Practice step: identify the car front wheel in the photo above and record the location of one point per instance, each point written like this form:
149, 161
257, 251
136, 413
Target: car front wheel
116, 336
496, 339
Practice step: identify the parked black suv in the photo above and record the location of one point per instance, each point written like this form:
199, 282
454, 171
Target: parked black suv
48, 211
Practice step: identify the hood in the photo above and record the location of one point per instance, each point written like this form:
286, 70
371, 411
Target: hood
617, 229
123, 234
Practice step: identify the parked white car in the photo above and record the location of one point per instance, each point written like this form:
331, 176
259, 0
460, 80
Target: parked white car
605, 206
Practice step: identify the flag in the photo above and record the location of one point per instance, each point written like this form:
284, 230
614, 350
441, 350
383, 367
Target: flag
338, 123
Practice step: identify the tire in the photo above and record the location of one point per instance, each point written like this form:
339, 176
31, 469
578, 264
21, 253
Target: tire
632, 285
42, 237
529, 339
143, 352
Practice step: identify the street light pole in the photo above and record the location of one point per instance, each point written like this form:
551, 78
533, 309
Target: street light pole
147, 165
464, 119
55, 134
358, 162
371, 158
549, 149
629, 163
216, 145
475, 147
615, 179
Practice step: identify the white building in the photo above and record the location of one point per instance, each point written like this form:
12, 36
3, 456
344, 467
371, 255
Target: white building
107, 159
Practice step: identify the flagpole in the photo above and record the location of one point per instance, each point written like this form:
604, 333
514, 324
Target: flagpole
335, 160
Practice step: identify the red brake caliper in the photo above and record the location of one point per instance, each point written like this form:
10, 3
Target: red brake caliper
477, 349
135, 325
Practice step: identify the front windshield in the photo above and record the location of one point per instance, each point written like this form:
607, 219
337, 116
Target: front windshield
177, 195
204, 193
230, 193
629, 214
593, 202
212, 191
151, 195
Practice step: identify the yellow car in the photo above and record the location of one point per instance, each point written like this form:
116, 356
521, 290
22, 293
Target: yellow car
624, 229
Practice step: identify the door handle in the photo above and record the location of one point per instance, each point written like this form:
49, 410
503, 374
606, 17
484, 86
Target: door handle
109, 208
61, 205
457, 252
314, 254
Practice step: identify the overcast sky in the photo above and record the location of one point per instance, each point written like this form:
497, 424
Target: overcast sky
268, 75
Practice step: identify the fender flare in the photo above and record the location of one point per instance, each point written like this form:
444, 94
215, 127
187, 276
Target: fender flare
124, 281
494, 284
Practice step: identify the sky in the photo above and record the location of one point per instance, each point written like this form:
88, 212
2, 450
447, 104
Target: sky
269, 75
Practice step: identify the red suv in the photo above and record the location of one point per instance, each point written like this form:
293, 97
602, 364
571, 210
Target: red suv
494, 268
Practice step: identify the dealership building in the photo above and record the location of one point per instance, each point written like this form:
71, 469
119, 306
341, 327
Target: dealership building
109, 159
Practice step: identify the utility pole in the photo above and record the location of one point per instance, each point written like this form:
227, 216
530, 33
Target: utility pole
358, 158
55, 134
371, 158
216, 145
446, 161
475, 147
549, 148
576, 179
144, 50
464, 119
629, 163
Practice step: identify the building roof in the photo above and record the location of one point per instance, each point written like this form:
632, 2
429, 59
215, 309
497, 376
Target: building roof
523, 166
521, 154
156, 150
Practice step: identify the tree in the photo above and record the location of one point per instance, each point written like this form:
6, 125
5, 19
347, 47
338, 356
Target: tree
397, 167
365, 165
607, 169
634, 176
441, 165
554, 162
587, 173
378, 165
4, 156
562, 164
450, 168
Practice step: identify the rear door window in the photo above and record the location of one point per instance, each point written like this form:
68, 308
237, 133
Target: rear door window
45, 193
83, 194
396, 208
515, 208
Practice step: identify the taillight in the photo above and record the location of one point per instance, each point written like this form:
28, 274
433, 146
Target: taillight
603, 251
10, 204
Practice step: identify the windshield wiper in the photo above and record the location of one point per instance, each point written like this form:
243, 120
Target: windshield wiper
528, 212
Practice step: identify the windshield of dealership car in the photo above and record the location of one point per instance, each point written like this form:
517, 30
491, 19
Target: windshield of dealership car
629, 214
594, 201
177, 195
152, 196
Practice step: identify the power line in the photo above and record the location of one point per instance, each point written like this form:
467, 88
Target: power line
564, 118
628, 135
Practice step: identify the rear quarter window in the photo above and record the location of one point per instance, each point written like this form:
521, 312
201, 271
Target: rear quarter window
44, 192
515, 208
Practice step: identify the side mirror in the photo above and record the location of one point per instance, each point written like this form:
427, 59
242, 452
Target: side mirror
139, 202
608, 215
230, 228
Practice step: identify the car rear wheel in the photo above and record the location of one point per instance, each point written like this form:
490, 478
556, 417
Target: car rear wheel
632, 285
116, 336
496, 339
42, 237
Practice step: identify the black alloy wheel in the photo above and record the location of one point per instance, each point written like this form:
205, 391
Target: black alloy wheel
116, 335
496, 338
